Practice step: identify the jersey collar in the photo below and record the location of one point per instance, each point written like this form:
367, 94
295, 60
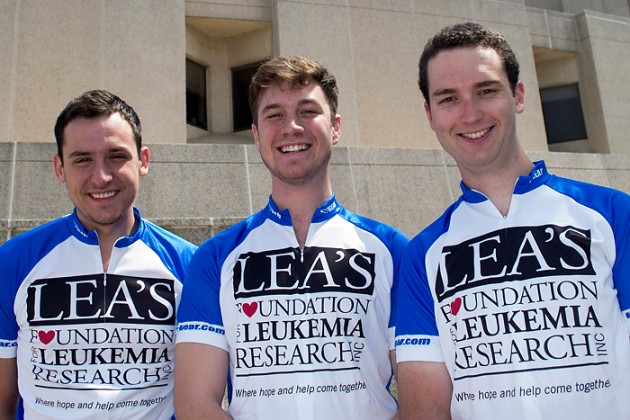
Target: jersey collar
524, 184
327, 210
89, 236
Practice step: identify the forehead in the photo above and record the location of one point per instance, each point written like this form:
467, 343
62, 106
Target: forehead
285, 95
98, 133
460, 65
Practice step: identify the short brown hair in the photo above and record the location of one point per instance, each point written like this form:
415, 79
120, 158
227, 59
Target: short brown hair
297, 72
467, 35
96, 103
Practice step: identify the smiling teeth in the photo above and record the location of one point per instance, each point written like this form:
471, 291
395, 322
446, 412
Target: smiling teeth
293, 148
477, 134
104, 195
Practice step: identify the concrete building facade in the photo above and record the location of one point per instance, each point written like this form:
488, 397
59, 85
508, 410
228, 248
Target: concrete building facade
206, 175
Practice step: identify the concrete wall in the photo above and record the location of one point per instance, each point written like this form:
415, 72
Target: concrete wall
198, 190
52, 51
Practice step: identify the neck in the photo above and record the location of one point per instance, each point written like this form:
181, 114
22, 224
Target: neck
301, 201
109, 234
498, 184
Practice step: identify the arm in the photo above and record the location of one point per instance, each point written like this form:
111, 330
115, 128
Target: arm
8, 388
392, 358
424, 391
200, 379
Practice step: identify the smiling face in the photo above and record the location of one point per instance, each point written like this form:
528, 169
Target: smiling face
473, 110
295, 133
101, 169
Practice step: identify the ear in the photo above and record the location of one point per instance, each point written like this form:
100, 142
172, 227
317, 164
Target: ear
427, 111
336, 129
519, 95
144, 160
256, 137
58, 168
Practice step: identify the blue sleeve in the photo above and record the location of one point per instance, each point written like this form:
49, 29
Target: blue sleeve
175, 252
8, 323
18, 256
415, 309
620, 220
397, 249
199, 316
200, 296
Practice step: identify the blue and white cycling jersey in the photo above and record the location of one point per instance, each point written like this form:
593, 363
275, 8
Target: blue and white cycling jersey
530, 312
92, 343
308, 332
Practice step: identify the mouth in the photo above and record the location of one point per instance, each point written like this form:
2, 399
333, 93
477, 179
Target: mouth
476, 135
103, 195
290, 148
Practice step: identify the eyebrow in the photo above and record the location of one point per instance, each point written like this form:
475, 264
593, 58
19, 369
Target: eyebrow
271, 106
479, 85
87, 153
78, 153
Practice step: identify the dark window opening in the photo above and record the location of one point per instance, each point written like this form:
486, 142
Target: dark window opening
241, 77
562, 110
196, 98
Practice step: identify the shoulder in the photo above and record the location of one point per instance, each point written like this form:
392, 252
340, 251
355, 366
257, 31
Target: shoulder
174, 251
166, 236
21, 253
605, 200
386, 233
228, 239
437, 228
38, 239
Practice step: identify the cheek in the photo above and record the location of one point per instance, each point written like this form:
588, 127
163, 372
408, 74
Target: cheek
438, 126
444, 123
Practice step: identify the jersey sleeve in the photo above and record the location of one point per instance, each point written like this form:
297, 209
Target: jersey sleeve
8, 322
397, 249
416, 330
621, 269
199, 315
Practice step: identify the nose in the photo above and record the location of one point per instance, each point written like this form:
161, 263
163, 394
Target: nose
471, 112
101, 173
292, 126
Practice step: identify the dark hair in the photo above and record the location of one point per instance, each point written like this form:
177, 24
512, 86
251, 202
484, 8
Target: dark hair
298, 72
96, 103
467, 35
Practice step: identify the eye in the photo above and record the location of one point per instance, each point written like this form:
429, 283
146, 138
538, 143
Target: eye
119, 157
273, 116
447, 100
309, 111
81, 161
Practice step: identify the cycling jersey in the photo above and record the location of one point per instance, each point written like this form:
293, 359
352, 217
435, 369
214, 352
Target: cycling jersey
308, 332
91, 342
530, 312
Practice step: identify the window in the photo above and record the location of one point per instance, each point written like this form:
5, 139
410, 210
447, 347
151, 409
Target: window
241, 77
562, 110
196, 98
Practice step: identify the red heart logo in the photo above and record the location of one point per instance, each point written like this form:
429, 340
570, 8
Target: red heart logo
250, 308
46, 336
455, 305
